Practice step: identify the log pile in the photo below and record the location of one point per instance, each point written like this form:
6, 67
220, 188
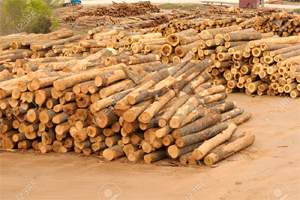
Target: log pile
244, 60
141, 21
97, 20
22, 46
145, 94
236, 63
115, 10
211, 18
140, 108
281, 23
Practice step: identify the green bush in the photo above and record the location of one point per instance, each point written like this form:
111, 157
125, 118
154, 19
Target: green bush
31, 16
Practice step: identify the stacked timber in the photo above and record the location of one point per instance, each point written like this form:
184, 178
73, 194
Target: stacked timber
237, 61
244, 60
141, 108
267, 65
211, 18
115, 10
141, 21
281, 23
37, 45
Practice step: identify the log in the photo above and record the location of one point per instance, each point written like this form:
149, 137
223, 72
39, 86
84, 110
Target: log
241, 142
135, 156
208, 145
149, 113
155, 156
174, 152
163, 121
198, 125
113, 152
200, 136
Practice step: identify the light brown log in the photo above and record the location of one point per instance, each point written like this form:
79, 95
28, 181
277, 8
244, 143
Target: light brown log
113, 152
133, 113
208, 145
149, 113
174, 152
135, 156
241, 142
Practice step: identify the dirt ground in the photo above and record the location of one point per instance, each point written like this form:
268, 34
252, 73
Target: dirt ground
269, 166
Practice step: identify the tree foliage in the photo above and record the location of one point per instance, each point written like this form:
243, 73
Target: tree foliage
31, 16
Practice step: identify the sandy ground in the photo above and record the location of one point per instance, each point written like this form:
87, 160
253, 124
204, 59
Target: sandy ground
269, 166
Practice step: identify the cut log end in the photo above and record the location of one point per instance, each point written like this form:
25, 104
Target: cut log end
197, 155
129, 116
148, 159
179, 143
173, 151
162, 122
174, 123
176, 134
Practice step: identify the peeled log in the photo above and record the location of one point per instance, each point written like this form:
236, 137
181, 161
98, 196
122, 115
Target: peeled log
234, 146
186, 77
70, 81
240, 119
105, 117
183, 111
279, 40
149, 113
111, 77
131, 114
231, 114
208, 145
138, 97
163, 121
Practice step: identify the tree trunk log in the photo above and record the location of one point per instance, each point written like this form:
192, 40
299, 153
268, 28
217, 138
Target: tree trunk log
234, 146
208, 145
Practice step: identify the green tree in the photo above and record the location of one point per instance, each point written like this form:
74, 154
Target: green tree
31, 16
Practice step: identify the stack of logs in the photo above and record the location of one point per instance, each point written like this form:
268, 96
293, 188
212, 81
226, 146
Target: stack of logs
140, 108
242, 57
280, 23
116, 10
53, 44
212, 18
244, 60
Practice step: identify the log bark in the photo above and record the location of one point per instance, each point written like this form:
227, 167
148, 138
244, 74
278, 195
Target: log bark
155, 156
197, 125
